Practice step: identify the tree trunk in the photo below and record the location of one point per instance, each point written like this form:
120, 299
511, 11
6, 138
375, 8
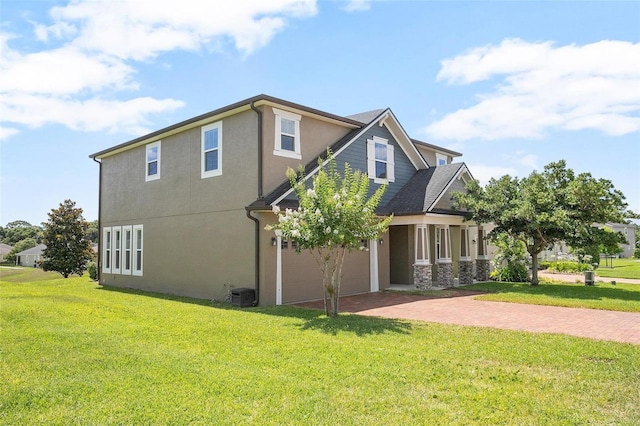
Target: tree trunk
534, 269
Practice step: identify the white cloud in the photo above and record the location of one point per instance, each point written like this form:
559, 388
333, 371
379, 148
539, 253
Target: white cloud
143, 29
94, 114
357, 5
542, 87
62, 71
95, 45
7, 132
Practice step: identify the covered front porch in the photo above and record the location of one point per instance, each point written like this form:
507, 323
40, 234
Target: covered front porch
432, 251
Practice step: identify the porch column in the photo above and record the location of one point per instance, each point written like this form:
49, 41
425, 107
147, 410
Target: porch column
278, 268
422, 278
482, 261
374, 284
445, 265
465, 273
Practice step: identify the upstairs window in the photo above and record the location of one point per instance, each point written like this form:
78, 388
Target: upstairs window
152, 164
441, 159
287, 137
211, 150
380, 160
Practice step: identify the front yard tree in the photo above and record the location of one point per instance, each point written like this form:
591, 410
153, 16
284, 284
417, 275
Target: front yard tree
65, 235
545, 207
334, 217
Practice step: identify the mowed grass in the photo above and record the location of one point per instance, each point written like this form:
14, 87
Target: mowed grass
622, 268
72, 352
602, 295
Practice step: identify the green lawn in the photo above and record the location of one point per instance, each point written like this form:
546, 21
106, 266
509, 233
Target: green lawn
622, 268
72, 352
621, 297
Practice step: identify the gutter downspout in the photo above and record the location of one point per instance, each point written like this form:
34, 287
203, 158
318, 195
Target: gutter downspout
260, 197
99, 262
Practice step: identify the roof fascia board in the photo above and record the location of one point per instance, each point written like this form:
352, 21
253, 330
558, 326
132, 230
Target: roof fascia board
429, 219
156, 136
407, 144
446, 187
335, 154
222, 113
311, 113
438, 149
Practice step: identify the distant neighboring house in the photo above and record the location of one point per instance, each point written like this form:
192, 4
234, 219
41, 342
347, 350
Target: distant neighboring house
561, 251
4, 251
30, 257
629, 231
183, 210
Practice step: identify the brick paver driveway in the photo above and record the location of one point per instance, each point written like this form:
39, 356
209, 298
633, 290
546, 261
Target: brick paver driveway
464, 310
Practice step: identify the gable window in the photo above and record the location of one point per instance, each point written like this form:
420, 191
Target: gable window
152, 163
380, 160
211, 150
441, 159
287, 137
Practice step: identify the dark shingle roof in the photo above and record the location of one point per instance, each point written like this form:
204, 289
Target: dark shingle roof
420, 193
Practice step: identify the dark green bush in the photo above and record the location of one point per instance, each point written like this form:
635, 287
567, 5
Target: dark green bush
92, 269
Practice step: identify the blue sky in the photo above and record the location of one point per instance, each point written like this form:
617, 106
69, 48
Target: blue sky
511, 85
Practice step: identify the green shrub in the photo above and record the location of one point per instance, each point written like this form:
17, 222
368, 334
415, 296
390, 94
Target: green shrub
568, 266
544, 264
92, 269
513, 272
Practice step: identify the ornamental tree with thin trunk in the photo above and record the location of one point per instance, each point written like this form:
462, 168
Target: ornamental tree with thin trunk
65, 235
545, 208
335, 215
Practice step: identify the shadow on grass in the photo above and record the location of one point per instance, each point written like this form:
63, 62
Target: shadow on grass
562, 291
163, 296
311, 319
360, 325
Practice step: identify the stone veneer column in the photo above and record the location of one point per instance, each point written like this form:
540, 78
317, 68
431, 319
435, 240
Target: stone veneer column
445, 274
465, 274
422, 277
482, 269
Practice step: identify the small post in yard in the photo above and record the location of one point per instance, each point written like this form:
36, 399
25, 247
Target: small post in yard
588, 277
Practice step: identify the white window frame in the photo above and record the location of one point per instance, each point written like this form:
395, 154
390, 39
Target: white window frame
116, 256
371, 160
107, 254
442, 157
138, 266
150, 146
215, 172
277, 150
125, 230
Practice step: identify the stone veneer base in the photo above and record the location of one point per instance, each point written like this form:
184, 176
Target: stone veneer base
422, 276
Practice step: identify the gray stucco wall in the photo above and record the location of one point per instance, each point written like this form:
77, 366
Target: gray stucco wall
196, 235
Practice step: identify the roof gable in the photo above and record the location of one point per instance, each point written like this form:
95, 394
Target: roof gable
424, 191
386, 119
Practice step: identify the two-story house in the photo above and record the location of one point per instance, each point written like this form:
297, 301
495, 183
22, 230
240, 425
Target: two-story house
183, 210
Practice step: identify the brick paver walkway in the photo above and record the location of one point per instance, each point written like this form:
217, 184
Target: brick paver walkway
464, 310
